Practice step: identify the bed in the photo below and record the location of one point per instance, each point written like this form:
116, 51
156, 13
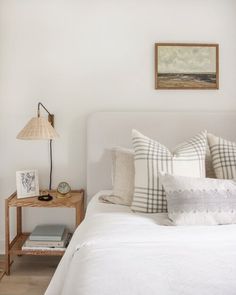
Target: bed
117, 251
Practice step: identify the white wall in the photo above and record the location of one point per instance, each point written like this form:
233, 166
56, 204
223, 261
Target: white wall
81, 56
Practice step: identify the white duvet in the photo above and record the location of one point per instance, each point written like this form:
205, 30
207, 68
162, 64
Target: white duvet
115, 251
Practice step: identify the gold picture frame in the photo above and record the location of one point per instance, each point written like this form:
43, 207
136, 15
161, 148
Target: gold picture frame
186, 66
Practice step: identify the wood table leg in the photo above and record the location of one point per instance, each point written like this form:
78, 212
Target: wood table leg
79, 213
19, 220
7, 239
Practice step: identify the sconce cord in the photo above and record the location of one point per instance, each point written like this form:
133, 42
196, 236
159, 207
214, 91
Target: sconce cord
50, 179
50, 144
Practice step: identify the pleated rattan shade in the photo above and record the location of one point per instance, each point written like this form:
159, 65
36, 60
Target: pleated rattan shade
38, 128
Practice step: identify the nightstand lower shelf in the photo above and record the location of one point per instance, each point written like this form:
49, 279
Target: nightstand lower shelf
17, 243
14, 246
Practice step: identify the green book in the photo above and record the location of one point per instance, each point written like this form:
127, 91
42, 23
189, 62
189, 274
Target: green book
47, 232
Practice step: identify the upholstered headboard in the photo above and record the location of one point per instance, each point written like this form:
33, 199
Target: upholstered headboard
109, 129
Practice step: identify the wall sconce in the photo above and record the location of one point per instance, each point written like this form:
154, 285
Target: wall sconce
41, 128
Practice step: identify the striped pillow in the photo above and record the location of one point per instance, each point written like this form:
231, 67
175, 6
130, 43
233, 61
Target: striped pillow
188, 159
223, 154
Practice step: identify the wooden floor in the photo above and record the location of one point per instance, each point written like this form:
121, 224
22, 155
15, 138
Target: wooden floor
29, 275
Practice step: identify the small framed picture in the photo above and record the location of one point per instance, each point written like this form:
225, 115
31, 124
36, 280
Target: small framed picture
27, 183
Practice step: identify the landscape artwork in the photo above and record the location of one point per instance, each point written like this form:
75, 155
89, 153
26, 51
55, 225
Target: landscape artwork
186, 66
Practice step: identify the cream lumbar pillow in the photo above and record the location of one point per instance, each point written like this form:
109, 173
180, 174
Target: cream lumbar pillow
223, 154
122, 177
200, 201
151, 157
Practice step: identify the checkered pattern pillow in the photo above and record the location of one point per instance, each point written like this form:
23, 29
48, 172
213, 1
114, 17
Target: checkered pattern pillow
188, 159
223, 154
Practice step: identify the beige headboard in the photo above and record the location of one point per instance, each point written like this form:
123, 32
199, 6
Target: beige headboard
108, 129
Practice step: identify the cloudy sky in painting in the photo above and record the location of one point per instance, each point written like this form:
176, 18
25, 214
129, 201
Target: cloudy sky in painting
180, 59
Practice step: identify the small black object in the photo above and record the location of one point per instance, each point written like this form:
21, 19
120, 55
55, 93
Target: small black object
45, 198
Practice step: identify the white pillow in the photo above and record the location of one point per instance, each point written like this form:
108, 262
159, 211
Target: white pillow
223, 154
122, 177
188, 159
200, 201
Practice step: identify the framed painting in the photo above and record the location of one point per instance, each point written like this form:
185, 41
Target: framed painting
27, 183
186, 66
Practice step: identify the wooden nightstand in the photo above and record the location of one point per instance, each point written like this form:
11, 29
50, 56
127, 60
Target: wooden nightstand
14, 247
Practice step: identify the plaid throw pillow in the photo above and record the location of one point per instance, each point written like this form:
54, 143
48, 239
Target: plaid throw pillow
188, 159
223, 154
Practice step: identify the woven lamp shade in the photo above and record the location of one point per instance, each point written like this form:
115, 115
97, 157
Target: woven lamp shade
38, 128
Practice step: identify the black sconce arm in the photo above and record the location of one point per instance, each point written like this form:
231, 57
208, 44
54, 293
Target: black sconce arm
50, 116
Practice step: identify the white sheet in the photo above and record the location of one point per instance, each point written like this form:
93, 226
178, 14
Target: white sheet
115, 251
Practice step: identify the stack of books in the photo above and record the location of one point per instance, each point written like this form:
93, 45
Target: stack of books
48, 237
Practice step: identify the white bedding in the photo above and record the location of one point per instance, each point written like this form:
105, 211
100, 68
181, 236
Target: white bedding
115, 251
